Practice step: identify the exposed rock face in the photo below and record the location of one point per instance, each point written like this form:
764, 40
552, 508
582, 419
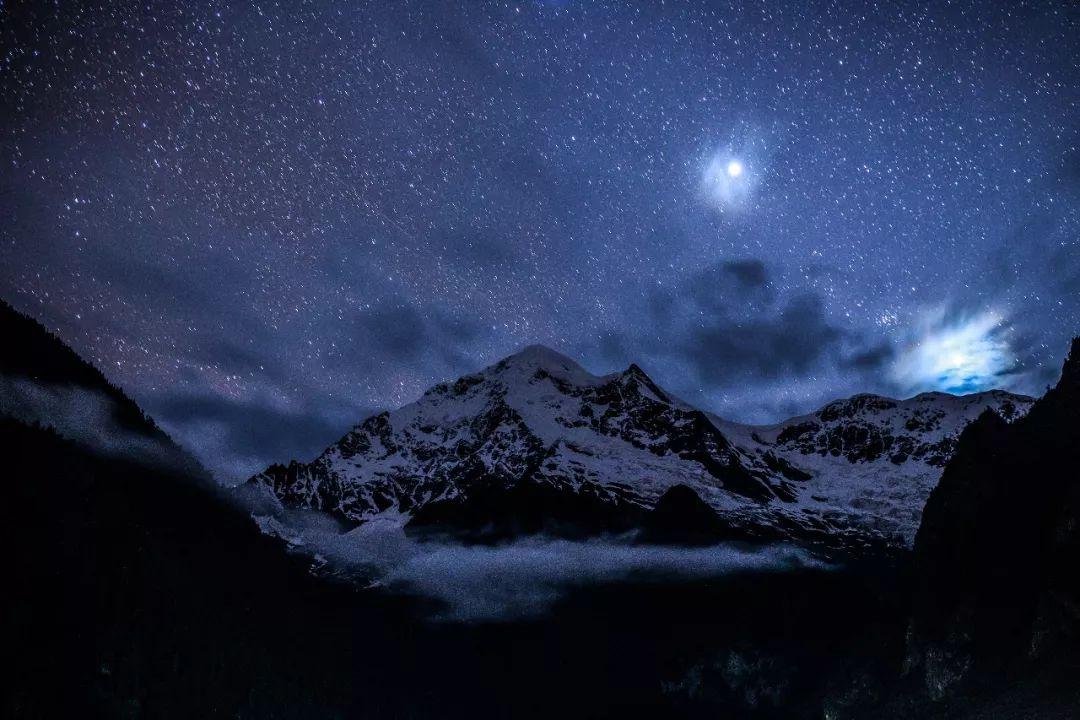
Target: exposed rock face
494, 513
869, 427
858, 471
997, 557
680, 517
868, 461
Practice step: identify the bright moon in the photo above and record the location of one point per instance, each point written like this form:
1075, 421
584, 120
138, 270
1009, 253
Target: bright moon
728, 182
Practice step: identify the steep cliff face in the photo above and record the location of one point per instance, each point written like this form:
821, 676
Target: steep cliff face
997, 557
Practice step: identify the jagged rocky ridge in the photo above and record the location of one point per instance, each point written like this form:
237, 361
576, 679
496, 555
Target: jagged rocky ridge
609, 447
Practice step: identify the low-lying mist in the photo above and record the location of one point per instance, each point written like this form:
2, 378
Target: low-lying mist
86, 416
514, 580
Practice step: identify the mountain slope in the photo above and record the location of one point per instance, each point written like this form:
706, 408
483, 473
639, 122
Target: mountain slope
861, 467
132, 587
871, 460
43, 381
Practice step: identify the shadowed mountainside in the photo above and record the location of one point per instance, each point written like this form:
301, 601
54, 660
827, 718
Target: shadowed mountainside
994, 631
997, 557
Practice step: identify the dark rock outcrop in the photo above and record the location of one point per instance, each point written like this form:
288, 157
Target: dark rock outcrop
494, 513
681, 517
997, 557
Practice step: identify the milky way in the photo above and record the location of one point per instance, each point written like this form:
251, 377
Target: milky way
265, 219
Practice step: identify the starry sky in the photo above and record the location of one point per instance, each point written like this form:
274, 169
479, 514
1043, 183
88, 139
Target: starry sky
266, 219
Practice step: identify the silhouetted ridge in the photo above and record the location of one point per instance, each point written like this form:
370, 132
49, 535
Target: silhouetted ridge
133, 589
1070, 373
31, 354
996, 555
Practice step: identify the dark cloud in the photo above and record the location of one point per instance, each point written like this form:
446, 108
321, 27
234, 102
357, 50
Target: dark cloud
749, 273
405, 334
730, 288
238, 438
729, 324
285, 415
394, 333
792, 339
253, 428
477, 247
872, 358
612, 349
1070, 167
1064, 265
294, 417
737, 329
660, 306
1027, 347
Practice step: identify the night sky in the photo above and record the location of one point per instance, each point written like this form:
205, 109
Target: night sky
266, 219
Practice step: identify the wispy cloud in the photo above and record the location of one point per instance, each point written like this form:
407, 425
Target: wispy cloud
520, 579
957, 355
86, 416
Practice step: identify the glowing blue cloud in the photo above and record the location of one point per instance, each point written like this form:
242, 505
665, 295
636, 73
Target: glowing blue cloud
959, 357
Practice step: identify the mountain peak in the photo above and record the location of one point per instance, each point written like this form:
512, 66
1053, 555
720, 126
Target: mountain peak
635, 372
538, 417
540, 357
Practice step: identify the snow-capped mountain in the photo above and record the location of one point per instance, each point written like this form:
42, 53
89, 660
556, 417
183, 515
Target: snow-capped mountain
870, 461
861, 467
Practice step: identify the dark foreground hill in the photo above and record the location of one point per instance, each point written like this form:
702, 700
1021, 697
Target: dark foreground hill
994, 631
997, 558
